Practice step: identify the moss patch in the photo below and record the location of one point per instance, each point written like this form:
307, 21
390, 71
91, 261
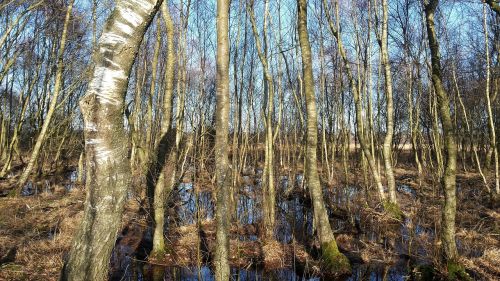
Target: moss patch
335, 261
457, 272
13, 193
393, 210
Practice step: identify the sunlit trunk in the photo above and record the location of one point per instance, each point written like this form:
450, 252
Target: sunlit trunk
449, 176
387, 147
106, 149
330, 252
165, 163
269, 198
493, 150
223, 172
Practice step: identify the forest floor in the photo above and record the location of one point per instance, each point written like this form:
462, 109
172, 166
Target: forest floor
36, 232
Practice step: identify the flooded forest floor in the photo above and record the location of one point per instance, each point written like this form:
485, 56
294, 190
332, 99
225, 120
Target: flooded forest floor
36, 230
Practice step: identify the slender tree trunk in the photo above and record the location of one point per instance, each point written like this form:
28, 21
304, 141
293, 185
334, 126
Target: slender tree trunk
325, 161
491, 124
361, 86
80, 168
238, 87
387, 147
358, 106
53, 103
414, 119
333, 258
136, 154
449, 176
469, 131
166, 166
3, 137
369, 88
223, 173
436, 138
108, 167
152, 92
268, 172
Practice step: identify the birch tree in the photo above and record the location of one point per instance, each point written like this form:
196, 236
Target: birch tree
108, 166
450, 252
166, 158
268, 172
222, 170
387, 147
491, 123
335, 260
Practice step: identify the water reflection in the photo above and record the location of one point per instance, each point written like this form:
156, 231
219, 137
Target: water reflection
406, 189
68, 180
143, 272
294, 222
139, 271
31, 188
193, 203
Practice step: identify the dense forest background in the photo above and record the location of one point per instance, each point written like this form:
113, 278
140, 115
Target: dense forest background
377, 119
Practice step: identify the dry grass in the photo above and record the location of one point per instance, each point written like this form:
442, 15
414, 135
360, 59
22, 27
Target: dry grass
41, 229
274, 255
486, 267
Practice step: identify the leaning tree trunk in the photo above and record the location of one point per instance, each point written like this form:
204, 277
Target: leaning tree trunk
223, 173
164, 167
106, 149
335, 260
450, 148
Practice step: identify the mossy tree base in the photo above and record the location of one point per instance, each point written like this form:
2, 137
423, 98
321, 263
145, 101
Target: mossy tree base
335, 262
456, 271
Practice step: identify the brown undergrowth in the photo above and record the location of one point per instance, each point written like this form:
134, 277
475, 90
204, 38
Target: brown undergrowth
36, 233
39, 229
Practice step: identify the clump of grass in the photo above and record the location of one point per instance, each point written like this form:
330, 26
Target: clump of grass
273, 254
393, 210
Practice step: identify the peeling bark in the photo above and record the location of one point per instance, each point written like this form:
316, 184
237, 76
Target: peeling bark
106, 140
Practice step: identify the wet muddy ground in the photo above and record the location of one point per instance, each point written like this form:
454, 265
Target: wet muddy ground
38, 228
